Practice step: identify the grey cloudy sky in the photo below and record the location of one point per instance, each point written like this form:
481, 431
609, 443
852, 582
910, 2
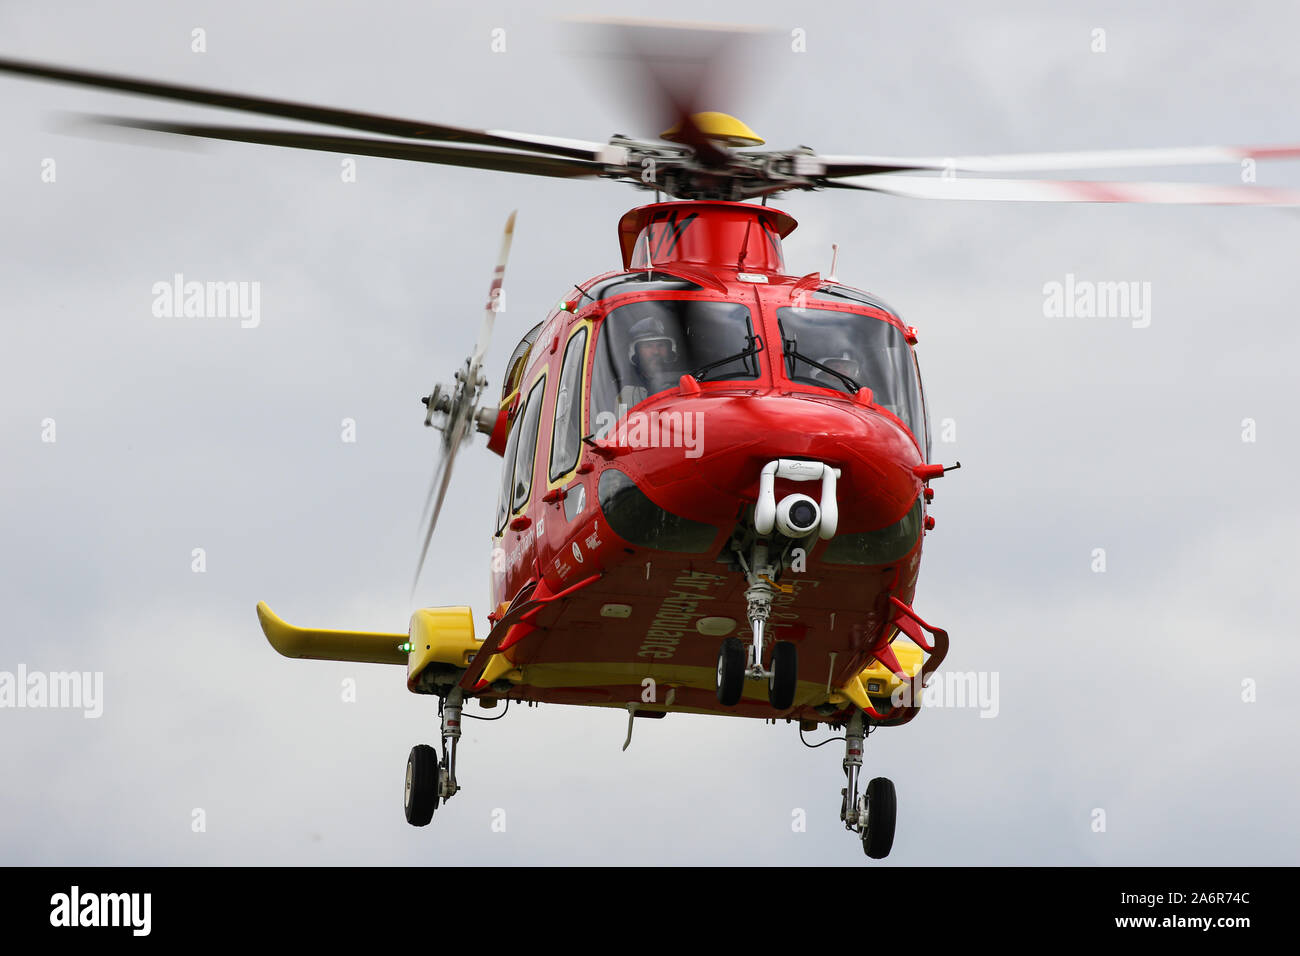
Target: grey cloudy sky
1119, 691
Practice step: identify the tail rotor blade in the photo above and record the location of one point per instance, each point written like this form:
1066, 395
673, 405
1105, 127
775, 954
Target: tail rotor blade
494, 293
433, 505
459, 426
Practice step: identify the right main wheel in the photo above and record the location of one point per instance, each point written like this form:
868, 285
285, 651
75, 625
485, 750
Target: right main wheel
731, 672
882, 813
422, 781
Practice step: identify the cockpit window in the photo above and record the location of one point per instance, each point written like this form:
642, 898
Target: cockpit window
846, 351
646, 347
518, 361
566, 432
643, 281
842, 293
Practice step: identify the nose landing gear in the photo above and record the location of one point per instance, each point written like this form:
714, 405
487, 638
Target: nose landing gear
736, 663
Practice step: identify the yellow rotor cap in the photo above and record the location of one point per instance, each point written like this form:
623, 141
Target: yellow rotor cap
719, 126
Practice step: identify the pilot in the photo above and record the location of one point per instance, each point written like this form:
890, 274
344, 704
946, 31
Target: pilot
653, 353
845, 364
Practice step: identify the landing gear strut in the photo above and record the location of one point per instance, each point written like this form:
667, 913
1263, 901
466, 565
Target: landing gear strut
736, 663
872, 814
428, 781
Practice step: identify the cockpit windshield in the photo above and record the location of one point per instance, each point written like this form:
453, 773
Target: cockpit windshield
846, 351
646, 347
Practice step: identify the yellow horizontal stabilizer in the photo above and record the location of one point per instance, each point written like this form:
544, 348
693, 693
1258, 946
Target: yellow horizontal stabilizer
362, 647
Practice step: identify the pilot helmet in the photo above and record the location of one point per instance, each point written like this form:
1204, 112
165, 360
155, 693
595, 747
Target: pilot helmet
844, 363
649, 329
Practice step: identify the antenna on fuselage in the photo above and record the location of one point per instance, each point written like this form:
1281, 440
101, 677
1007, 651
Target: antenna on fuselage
835, 255
744, 246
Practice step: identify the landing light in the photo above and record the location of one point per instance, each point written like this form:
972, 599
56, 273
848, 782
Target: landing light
715, 626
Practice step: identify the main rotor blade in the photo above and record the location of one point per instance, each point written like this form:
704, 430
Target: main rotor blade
367, 146
838, 166
1044, 190
679, 68
329, 116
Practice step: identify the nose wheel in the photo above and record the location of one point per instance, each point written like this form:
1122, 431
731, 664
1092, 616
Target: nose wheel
731, 672
734, 668
784, 676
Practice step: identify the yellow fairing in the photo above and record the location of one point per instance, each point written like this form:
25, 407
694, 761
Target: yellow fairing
500, 667
878, 681
363, 647
441, 635
720, 126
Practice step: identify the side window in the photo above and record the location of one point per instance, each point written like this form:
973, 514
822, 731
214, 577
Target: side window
925, 406
567, 433
523, 470
519, 361
507, 474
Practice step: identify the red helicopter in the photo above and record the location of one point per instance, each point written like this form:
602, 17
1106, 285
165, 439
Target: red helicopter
716, 471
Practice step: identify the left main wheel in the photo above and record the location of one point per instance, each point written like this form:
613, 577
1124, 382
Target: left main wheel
882, 813
731, 672
421, 785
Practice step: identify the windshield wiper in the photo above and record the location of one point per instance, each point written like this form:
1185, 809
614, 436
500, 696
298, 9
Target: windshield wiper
792, 352
755, 346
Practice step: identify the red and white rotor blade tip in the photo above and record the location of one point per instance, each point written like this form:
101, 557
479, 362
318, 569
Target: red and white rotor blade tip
1122, 158
494, 295
1046, 190
839, 166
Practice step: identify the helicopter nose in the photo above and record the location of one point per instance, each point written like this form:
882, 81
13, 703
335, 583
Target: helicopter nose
734, 437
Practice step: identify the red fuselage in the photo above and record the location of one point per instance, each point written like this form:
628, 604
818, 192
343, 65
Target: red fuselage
635, 429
